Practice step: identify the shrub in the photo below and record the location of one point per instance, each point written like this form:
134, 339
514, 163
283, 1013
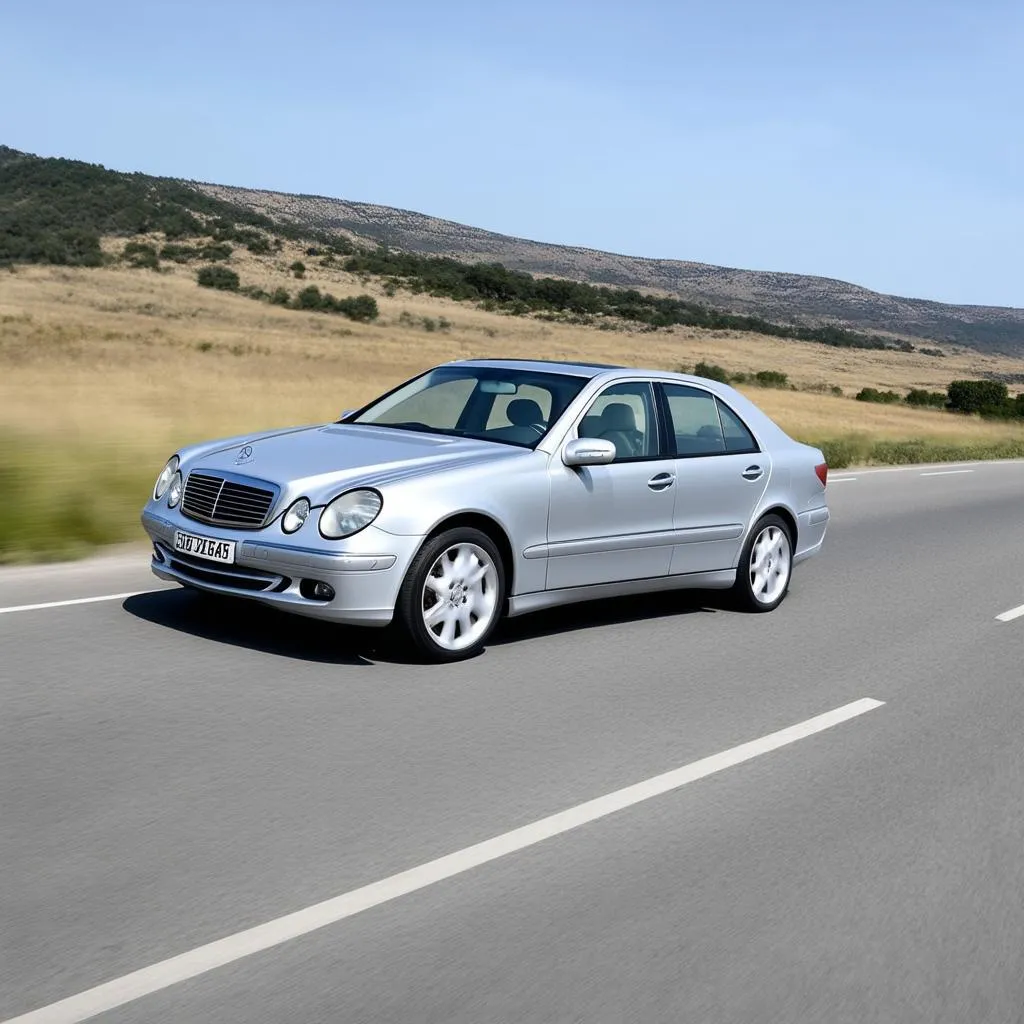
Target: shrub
309, 298
141, 254
362, 308
711, 371
298, 268
974, 395
874, 395
772, 379
922, 397
218, 277
280, 297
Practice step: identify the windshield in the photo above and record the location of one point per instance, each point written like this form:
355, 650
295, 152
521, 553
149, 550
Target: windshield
510, 406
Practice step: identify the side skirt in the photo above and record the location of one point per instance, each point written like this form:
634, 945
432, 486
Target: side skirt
521, 604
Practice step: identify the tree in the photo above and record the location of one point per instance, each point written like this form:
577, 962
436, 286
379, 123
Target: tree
971, 396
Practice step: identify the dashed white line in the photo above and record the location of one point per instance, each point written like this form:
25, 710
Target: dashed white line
841, 479
1013, 613
224, 951
947, 472
66, 604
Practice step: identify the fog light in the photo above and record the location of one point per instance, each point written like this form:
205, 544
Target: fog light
315, 590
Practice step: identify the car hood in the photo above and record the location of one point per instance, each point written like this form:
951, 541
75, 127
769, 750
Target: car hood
316, 461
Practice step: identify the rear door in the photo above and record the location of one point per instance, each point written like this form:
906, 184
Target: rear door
721, 475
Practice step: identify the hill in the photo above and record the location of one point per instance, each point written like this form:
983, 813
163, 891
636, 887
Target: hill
779, 297
57, 210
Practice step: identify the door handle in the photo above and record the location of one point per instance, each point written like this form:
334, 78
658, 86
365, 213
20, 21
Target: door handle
752, 472
660, 481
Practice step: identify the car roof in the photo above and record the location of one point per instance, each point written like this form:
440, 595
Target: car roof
579, 368
576, 368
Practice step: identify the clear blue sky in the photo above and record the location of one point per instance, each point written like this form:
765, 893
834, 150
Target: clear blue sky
881, 143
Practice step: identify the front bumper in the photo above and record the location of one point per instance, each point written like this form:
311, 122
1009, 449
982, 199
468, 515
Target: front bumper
365, 576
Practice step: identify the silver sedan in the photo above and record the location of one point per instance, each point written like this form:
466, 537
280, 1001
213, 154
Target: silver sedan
484, 488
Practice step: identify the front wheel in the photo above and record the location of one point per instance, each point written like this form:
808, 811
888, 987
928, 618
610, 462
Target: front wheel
766, 566
452, 595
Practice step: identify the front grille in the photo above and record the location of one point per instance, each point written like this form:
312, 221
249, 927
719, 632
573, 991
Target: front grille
225, 502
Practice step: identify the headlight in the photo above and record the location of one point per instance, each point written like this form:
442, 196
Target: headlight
349, 513
164, 479
297, 514
174, 491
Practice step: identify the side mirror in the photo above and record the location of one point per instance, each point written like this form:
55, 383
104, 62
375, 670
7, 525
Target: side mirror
588, 451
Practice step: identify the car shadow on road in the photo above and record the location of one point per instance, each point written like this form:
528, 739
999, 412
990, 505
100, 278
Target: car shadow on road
248, 624
615, 611
241, 623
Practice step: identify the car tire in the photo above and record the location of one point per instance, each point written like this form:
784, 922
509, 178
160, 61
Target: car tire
452, 618
765, 567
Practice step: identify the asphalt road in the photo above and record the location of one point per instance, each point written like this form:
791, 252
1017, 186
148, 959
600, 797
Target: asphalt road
172, 775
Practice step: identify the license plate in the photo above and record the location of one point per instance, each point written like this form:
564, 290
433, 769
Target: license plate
204, 547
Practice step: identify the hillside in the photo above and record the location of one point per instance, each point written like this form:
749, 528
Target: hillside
777, 297
56, 211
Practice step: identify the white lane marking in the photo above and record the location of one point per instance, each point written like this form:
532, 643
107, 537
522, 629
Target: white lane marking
198, 961
66, 604
1013, 613
986, 463
946, 472
841, 479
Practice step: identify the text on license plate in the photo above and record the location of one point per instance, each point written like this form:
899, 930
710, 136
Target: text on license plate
204, 547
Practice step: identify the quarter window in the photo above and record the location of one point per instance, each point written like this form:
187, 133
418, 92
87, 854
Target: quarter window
624, 414
738, 439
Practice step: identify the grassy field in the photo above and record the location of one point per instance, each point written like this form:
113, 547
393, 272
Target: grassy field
103, 372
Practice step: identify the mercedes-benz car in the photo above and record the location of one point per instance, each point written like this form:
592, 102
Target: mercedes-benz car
494, 487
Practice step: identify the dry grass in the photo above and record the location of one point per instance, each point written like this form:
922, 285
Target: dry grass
128, 364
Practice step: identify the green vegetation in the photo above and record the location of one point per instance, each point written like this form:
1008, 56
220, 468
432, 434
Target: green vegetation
496, 287
177, 253
360, 307
857, 450
762, 378
923, 398
67, 498
141, 254
298, 268
874, 395
56, 210
218, 277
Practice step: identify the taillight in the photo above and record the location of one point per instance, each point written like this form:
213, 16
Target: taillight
822, 470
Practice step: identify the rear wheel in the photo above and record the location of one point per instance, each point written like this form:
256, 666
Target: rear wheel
766, 566
452, 595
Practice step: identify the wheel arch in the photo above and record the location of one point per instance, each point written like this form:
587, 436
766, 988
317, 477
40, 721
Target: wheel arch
485, 524
785, 515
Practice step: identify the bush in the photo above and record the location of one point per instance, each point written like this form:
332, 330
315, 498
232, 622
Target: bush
711, 371
141, 254
362, 308
309, 298
280, 297
974, 395
924, 398
874, 395
298, 268
218, 277
772, 379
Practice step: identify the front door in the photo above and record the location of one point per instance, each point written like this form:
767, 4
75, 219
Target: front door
613, 522
721, 475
